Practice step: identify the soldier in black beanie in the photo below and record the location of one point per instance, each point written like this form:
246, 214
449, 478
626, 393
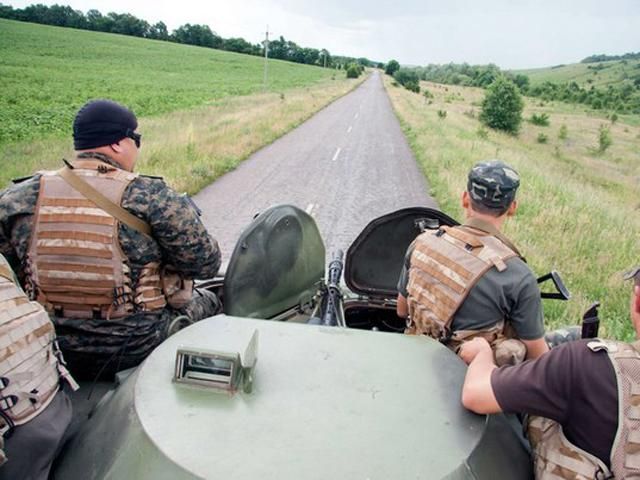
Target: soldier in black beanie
111, 254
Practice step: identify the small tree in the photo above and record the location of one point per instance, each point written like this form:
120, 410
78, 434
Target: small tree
502, 106
563, 132
392, 67
604, 139
353, 70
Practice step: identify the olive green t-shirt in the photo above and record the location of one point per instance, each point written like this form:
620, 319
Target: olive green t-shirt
512, 294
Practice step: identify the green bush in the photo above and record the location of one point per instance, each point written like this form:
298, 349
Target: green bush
542, 138
442, 114
541, 120
613, 117
353, 70
427, 93
502, 106
604, 139
563, 132
412, 86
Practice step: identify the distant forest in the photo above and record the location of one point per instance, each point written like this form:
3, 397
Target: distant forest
201, 35
608, 58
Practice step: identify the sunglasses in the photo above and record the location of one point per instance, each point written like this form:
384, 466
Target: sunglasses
136, 137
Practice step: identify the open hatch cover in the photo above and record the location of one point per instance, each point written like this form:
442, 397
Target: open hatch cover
374, 260
276, 265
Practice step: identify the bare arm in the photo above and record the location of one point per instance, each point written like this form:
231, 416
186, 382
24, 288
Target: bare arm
535, 348
401, 308
477, 393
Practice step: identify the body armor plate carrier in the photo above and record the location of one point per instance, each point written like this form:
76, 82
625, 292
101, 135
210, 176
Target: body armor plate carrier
557, 458
76, 267
445, 265
30, 363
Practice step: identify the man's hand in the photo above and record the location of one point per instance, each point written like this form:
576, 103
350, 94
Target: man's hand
470, 350
477, 393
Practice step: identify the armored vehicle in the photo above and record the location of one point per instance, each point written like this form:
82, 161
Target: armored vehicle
325, 389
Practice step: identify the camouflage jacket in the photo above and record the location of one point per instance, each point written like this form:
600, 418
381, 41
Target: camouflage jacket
179, 239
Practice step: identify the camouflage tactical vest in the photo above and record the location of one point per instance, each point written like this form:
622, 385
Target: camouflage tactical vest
557, 458
30, 363
75, 266
445, 265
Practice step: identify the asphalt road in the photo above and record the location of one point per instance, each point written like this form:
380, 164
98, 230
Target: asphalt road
347, 165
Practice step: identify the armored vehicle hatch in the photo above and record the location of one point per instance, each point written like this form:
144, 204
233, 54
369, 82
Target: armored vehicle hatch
276, 265
326, 403
375, 258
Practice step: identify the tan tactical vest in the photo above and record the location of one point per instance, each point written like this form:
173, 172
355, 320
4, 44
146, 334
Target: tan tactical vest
30, 363
75, 266
445, 265
557, 458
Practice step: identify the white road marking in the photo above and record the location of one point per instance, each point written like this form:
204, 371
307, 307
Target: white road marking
335, 156
349, 129
309, 208
356, 115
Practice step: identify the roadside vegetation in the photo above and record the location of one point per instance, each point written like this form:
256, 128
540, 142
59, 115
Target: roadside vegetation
619, 93
201, 111
579, 201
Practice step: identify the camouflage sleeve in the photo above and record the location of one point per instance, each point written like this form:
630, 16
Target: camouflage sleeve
183, 238
17, 202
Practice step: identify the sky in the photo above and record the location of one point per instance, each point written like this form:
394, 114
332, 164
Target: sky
510, 33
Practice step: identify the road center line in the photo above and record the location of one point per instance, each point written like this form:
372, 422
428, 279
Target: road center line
349, 129
309, 208
335, 156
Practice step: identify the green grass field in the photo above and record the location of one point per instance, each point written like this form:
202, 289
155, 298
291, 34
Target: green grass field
46, 73
600, 74
578, 210
201, 111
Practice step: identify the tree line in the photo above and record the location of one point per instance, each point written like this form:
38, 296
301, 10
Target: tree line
191, 34
608, 58
621, 98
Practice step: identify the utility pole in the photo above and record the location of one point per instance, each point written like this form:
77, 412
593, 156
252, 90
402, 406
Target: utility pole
266, 58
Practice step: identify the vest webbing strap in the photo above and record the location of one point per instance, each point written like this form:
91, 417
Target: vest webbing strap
103, 202
6, 273
490, 229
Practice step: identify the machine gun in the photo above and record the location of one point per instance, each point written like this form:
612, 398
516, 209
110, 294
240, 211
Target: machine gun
333, 308
332, 312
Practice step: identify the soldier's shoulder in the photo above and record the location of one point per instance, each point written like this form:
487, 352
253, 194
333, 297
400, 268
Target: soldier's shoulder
21, 197
151, 177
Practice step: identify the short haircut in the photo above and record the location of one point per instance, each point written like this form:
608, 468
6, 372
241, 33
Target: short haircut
482, 208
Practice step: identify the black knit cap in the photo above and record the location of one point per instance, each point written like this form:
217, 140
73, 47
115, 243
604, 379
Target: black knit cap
102, 122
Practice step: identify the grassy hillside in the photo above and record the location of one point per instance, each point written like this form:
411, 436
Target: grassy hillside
201, 111
578, 210
46, 73
600, 74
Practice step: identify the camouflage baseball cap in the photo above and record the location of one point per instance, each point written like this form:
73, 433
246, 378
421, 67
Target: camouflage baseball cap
493, 184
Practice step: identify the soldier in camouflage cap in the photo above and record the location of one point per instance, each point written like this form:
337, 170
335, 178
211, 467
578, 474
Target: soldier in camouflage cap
112, 275
492, 186
468, 281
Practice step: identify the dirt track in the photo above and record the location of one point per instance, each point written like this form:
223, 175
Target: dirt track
345, 166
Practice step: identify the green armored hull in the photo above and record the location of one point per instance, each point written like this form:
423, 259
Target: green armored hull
326, 403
